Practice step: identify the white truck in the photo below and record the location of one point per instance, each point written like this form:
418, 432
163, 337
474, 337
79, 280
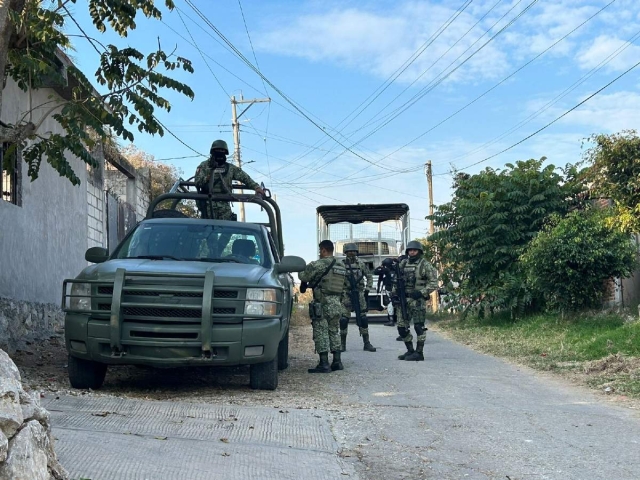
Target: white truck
379, 231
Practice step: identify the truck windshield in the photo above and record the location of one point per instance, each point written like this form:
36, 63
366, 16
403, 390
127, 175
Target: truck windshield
193, 242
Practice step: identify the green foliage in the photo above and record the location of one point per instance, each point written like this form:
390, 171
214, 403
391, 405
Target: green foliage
132, 79
614, 173
568, 263
488, 224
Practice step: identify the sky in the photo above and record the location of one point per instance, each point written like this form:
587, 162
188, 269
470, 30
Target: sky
367, 92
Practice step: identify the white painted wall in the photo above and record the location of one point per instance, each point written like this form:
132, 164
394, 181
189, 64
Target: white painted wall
44, 240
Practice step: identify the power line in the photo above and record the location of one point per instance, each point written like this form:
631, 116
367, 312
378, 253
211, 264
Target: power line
394, 76
553, 121
500, 82
434, 84
200, 52
91, 41
222, 66
251, 43
555, 100
285, 97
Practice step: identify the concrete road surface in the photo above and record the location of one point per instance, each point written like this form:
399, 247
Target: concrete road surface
457, 415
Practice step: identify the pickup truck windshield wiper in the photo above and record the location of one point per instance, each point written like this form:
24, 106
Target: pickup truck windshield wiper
156, 257
212, 260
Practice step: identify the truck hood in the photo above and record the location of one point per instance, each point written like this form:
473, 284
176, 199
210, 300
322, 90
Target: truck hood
230, 272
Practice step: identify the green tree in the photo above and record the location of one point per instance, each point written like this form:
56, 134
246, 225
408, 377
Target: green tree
32, 41
614, 173
568, 263
488, 224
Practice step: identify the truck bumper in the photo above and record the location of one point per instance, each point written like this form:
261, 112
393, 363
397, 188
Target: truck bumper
248, 342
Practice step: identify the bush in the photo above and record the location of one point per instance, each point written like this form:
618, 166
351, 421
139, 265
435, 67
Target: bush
568, 263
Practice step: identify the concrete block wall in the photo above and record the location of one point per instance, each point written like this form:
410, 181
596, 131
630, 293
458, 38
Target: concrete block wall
143, 192
96, 231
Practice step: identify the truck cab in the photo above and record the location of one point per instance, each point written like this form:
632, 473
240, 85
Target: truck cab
180, 291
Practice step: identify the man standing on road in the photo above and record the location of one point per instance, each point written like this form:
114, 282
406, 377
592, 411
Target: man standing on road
327, 278
357, 274
420, 279
215, 175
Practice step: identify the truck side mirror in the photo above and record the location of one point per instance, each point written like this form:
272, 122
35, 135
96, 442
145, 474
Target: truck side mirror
290, 263
96, 255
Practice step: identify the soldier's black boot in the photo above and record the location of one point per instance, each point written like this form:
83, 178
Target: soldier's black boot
337, 363
399, 338
367, 344
418, 355
409, 351
323, 364
343, 342
390, 323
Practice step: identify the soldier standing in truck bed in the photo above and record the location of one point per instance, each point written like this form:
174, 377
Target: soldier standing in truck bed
215, 175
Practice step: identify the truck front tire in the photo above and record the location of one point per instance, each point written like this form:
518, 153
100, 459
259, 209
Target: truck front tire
283, 352
264, 376
85, 373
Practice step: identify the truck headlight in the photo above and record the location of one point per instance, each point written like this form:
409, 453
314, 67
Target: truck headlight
261, 301
83, 302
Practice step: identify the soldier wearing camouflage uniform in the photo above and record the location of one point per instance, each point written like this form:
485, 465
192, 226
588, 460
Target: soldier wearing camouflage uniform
357, 273
215, 175
327, 278
420, 280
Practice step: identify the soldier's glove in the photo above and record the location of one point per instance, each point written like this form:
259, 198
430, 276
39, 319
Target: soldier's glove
395, 299
366, 293
303, 287
416, 295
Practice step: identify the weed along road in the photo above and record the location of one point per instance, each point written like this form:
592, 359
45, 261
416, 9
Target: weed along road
457, 415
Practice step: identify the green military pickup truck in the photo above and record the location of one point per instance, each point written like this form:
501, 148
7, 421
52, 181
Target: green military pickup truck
180, 291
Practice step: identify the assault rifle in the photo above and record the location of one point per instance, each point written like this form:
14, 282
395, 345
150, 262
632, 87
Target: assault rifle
354, 295
402, 296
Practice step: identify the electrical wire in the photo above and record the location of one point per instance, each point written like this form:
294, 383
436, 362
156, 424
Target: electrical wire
430, 87
282, 94
512, 74
200, 52
553, 121
251, 44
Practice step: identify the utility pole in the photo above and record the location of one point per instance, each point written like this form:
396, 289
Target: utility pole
236, 132
429, 173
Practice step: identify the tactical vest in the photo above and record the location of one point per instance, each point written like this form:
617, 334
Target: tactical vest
414, 275
333, 282
219, 182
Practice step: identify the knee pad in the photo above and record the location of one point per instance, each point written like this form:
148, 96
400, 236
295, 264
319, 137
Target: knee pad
420, 328
403, 332
344, 323
364, 323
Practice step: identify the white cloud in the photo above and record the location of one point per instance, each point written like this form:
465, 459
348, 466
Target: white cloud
379, 42
608, 113
603, 46
382, 42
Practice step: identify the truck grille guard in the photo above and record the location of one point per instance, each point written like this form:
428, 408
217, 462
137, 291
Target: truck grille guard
108, 297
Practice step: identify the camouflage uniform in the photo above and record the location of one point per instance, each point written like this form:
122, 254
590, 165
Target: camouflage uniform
222, 178
329, 294
359, 272
420, 276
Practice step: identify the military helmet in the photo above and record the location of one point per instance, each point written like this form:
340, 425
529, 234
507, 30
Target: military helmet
414, 245
219, 144
350, 247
